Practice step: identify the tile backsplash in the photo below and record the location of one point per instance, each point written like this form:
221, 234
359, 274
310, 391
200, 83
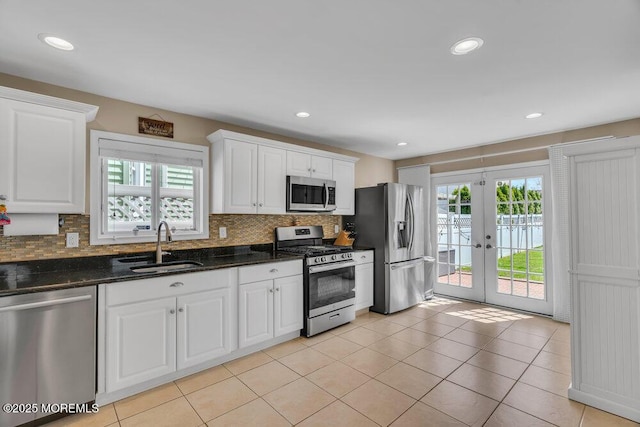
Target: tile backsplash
241, 230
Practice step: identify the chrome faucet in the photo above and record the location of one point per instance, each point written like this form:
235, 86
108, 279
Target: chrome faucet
158, 247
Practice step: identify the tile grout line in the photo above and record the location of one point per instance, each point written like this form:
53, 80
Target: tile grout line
397, 361
483, 348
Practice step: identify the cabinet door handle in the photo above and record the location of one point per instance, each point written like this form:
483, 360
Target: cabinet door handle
313, 170
260, 204
172, 311
309, 170
363, 257
277, 289
3, 197
253, 204
270, 291
273, 270
176, 284
181, 310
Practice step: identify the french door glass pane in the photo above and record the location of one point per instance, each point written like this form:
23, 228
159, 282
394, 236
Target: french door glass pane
519, 237
454, 235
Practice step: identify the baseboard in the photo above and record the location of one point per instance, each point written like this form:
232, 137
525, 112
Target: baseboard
604, 404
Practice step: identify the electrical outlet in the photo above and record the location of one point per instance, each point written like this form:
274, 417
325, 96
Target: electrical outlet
222, 232
336, 228
73, 240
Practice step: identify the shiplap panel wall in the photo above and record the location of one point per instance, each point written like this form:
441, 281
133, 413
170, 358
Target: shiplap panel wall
605, 278
609, 346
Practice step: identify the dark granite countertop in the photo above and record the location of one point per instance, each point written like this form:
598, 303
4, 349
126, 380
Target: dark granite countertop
44, 275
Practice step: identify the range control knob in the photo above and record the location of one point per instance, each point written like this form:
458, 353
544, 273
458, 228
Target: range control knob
334, 257
317, 261
323, 259
349, 255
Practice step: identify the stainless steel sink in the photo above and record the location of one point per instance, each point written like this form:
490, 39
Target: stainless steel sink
166, 266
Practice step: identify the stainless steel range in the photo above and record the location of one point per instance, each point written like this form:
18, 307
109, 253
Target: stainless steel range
329, 278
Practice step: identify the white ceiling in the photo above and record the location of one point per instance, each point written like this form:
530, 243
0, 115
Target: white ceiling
370, 72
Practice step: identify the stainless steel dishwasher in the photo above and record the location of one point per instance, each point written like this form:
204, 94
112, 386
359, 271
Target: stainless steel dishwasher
47, 350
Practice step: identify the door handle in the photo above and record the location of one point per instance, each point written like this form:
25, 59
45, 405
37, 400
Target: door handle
478, 245
407, 264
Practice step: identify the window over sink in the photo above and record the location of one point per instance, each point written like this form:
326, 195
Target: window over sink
137, 182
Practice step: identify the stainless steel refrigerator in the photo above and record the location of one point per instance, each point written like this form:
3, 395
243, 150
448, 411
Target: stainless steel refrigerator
389, 218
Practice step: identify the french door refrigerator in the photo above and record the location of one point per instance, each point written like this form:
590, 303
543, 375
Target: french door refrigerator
389, 218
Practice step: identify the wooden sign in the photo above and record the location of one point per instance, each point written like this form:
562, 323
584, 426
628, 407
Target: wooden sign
155, 127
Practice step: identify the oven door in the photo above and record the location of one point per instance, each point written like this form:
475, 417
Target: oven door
331, 287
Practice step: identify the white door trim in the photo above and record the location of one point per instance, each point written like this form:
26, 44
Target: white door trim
491, 168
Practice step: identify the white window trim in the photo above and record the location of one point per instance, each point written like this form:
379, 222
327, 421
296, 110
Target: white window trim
162, 151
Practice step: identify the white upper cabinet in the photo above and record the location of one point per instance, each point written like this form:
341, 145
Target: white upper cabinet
43, 145
248, 178
298, 164
250, 173
272, 180
240, 177
303, 164
344, 176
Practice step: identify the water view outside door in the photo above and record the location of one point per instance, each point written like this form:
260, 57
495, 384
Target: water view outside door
519, 236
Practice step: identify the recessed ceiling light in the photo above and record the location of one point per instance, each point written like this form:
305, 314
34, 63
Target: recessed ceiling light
401, 144
56, 42
533, 115
467, 45
303, 114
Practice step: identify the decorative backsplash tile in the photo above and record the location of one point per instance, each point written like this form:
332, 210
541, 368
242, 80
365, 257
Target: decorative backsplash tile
241, 230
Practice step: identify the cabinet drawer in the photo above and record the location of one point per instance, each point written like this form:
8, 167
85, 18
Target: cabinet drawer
363, 257
268, 271
167, 286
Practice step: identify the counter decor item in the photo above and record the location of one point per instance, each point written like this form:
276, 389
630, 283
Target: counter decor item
343, 239
4, 218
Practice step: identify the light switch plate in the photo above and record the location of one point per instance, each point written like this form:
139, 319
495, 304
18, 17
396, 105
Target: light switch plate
73, 240
222, 232
336, 228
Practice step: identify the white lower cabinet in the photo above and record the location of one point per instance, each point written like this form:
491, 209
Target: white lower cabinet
141, 342
157, 326
154, 330
203, 324
364, 279
272, 307
255, 312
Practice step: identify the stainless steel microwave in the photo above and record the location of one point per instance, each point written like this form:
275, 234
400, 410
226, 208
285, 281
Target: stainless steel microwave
310, 194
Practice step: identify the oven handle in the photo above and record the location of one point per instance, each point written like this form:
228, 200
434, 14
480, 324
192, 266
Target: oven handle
329, 267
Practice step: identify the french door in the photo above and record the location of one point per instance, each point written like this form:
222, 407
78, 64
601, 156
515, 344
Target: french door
493, 245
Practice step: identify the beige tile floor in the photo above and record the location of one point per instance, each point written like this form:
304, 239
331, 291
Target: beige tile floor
441, 363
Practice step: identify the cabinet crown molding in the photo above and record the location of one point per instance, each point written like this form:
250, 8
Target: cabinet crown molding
222, 134
90, 111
